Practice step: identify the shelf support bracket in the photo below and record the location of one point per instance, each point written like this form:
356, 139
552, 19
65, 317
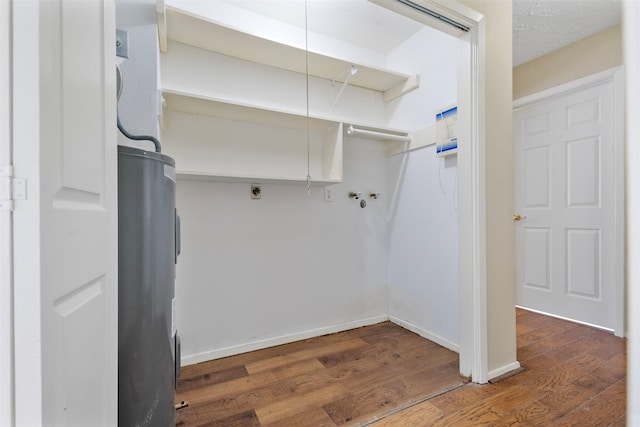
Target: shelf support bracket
162, 103
161, 18
412, 83
351, 71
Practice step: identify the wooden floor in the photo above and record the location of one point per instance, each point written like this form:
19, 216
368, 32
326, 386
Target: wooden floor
384, 375
349, 378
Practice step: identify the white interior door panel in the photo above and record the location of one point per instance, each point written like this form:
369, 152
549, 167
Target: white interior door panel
66, 230
565, 195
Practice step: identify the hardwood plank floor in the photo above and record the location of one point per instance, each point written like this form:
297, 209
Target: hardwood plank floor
383, 375
350, 378
573, 375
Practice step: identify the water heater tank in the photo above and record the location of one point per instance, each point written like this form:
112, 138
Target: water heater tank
148, 239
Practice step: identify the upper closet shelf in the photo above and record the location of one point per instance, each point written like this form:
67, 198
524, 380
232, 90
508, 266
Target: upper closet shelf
215, 107
198, 31
201, 105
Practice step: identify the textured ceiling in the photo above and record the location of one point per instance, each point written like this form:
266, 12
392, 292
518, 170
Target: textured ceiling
542, 26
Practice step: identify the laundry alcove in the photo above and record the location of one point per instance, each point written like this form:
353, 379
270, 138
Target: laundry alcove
240, 109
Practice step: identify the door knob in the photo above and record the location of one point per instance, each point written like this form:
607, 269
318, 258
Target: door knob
517, 217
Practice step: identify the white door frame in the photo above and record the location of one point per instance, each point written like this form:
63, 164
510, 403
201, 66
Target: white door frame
631, 35
474, 354
6, 243
472, 261
474, 359
615, 75
26, 296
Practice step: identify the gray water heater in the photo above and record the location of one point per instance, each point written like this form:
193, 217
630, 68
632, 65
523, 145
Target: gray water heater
148, 247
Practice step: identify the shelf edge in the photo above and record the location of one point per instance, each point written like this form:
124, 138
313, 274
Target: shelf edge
412, 83
205, 176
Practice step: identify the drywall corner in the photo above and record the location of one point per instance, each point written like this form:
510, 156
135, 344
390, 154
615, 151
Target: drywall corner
138, 104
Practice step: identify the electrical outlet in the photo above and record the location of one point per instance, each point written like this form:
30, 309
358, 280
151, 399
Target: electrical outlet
256, 192
328, 194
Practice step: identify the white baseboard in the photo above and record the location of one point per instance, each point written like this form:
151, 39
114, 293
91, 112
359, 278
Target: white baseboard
283, 339
503, 370
591, 325
426, 334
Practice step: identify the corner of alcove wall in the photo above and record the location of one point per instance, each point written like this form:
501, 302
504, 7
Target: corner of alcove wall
423, 266
499, 190
254, 273
138, 105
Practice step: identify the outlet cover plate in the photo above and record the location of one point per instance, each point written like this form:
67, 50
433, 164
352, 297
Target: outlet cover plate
328, 194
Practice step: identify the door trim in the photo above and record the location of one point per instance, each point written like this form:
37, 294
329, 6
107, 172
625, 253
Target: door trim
566, 88
6, 225
474, 354
472, 261
631, 47
615, 75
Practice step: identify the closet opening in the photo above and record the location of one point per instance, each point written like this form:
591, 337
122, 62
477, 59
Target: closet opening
376, 102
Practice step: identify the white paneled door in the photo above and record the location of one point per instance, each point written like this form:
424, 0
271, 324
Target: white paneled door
565, 205
66, 230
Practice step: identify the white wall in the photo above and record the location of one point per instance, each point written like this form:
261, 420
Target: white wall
258, 273
435, 54
138, 105
283, 267
223, 77
423, 263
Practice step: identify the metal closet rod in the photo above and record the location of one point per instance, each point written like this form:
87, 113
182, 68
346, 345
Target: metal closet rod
382, 135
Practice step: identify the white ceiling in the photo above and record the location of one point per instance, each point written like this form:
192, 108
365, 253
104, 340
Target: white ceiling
542, 26
539, 26
358, 22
